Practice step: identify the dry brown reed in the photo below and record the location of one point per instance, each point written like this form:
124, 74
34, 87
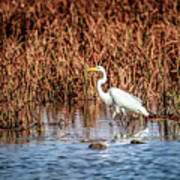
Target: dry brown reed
45, 47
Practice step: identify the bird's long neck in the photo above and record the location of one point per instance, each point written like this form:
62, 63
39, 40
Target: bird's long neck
104, 96
99, 84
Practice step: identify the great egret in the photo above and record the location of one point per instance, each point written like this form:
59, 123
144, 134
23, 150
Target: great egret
121, 100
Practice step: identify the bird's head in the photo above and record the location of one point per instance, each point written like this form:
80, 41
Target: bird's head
97, 68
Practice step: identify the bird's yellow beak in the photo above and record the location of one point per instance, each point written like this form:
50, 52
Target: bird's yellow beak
92, 69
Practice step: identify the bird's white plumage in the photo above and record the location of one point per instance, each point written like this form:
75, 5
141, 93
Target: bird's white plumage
126, 101
121, 100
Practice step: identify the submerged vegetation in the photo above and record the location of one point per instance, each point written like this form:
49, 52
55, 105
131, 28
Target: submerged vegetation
46, 46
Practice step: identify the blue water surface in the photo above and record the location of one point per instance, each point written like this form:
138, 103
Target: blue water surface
54, 160
59, 153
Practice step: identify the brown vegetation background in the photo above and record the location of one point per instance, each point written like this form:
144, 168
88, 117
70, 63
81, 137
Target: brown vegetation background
46, 46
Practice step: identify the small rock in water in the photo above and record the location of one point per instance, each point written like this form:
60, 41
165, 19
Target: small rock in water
99, 145
137, 142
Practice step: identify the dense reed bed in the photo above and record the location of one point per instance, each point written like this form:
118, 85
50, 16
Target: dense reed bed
45, 47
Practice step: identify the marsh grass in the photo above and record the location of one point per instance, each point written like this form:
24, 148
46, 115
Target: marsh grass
45, 47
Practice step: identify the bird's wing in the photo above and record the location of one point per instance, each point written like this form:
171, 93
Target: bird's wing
124, 99
138, 99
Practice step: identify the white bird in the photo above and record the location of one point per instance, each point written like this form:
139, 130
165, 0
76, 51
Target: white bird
119, 99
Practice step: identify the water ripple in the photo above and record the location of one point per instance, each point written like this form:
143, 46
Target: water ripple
58, 154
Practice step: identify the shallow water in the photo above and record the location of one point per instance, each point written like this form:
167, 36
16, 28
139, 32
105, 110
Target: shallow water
57, 151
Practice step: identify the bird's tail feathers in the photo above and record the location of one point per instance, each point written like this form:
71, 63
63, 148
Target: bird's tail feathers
143, 111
